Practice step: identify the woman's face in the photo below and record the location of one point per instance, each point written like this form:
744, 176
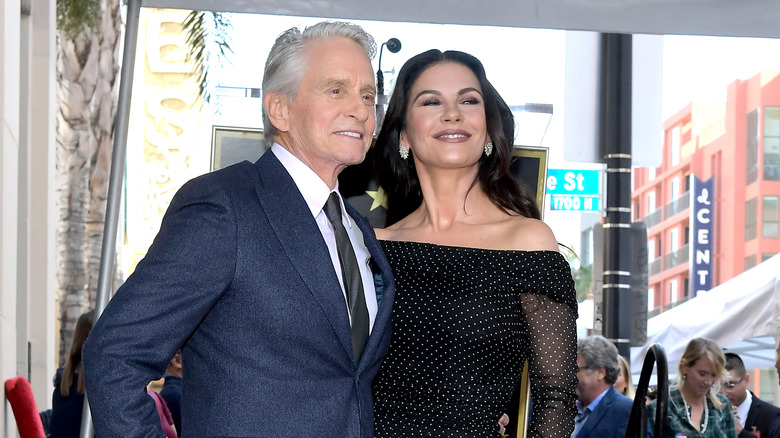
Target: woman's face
620, 383
445, 117
700, 376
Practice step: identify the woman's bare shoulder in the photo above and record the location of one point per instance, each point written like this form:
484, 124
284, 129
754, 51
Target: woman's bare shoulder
530, 234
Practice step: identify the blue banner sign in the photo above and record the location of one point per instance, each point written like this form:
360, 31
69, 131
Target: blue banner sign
702, 196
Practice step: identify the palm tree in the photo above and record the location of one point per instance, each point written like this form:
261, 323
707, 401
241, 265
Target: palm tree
87, 65
88, 42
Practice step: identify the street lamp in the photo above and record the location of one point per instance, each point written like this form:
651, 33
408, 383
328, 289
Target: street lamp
394, 46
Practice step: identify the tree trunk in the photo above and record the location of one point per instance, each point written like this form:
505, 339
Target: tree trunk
87, 71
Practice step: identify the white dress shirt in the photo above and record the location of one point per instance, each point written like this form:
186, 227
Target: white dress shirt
744, 408
315, 192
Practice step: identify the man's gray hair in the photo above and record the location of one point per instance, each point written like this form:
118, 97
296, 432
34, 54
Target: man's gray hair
286, 64
598, 352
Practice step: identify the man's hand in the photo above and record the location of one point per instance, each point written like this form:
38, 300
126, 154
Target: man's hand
503, 422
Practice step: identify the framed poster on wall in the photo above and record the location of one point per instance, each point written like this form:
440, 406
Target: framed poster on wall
529, 165
231, 145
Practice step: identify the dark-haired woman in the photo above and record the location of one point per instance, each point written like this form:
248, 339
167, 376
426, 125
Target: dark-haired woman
481, 286
68, 396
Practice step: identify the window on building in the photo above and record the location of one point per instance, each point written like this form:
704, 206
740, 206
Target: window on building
673, 291
651, 250
772, 143
674, 239
650, 298
586, 258
650, 202
675, 145
750, 261
752, 147
685, 287
687, 180
769, 216
751, 213
687, 235
674, 188
767, 255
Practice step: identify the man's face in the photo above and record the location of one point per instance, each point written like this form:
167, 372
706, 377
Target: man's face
590, 383
330, 122
735, 388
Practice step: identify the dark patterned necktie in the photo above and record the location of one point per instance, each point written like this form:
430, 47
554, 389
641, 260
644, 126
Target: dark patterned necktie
350, 273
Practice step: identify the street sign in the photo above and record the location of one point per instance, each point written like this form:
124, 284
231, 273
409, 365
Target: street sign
573, 190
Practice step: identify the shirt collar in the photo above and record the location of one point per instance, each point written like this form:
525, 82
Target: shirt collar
744, 408
314, 190
593, 404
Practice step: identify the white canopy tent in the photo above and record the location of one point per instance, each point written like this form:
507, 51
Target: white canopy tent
742, 315
755, 18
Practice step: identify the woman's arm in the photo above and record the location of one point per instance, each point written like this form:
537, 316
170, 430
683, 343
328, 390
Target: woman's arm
551, 329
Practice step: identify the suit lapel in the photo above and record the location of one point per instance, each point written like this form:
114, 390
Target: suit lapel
595, 417
383, 281
301, 240
754, 413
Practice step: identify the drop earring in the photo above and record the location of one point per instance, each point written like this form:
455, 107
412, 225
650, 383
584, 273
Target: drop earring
488, 148
404, 151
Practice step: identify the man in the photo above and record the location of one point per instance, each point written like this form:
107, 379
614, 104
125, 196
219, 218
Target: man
753, 416
602, 412
246, 274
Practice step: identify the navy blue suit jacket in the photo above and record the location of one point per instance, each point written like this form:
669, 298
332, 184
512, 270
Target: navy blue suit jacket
609, 419
761, 416
240, 278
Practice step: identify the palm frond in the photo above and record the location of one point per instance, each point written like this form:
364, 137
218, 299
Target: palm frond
208, 42
76, 16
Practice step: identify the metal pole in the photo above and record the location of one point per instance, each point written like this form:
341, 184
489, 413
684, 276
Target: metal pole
615, 126
108, 252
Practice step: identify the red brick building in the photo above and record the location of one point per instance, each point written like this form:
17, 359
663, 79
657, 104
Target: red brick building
737, 144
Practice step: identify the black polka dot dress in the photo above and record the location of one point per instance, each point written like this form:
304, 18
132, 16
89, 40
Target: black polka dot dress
464, 322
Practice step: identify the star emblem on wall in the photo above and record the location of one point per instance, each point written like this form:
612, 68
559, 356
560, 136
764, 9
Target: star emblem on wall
378, 195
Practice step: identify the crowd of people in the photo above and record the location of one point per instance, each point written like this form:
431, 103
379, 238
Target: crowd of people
709, 399
273, 309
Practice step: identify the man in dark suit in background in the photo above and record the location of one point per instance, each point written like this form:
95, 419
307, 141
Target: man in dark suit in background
753, 416
602, 412
279, 301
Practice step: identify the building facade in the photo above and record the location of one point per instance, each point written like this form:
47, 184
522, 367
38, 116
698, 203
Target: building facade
711, 208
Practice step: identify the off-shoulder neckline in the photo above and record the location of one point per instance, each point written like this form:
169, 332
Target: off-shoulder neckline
469, 248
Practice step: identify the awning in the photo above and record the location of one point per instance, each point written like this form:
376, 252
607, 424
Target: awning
742, 315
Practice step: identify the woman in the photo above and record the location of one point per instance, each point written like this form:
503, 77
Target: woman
68, 398
623, 384
481, 286
695, 409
